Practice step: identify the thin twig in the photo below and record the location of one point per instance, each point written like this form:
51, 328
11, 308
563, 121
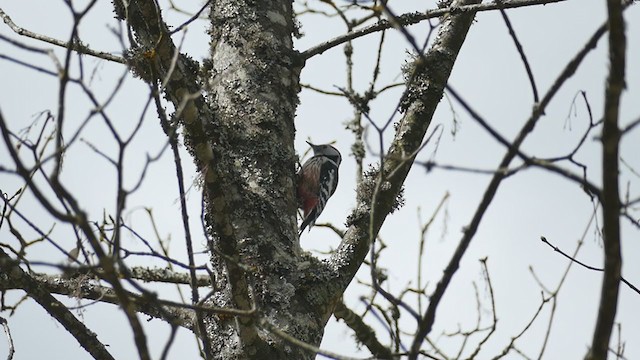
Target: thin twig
171, 133
518, 45
301, 344
364, 333
191, 19
413, 18
7, 331
75, 46
85, 337
555, 248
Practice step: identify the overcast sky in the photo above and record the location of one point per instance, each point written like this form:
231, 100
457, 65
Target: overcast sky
488, 74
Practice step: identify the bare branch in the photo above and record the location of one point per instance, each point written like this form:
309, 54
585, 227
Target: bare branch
556, 249
85, 337
7, 331
171, 133
86, 287
610, 179
518, 45
75, 46
165, 275
303, 345
364, 333
410, 135
192, 18
414, 18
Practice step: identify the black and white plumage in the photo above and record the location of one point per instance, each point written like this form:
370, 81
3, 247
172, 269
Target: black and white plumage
317, 181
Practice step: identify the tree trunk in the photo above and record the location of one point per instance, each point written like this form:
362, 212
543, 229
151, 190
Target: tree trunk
250, 205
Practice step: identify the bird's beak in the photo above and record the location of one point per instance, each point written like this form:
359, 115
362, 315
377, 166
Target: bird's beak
314, 147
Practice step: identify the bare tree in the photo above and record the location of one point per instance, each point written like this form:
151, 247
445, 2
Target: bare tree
253, 292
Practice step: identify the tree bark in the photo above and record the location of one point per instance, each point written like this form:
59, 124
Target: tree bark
252, 81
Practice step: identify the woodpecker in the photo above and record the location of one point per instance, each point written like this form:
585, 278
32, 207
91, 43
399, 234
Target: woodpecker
317, 181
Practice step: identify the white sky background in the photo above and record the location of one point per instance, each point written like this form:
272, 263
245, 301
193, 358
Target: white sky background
488, 74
